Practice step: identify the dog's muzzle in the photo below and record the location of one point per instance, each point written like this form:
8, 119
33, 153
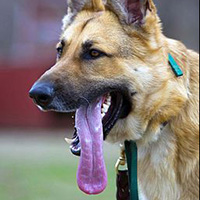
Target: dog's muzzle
42, 93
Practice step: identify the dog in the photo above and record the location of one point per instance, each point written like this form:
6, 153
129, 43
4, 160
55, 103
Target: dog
113, 69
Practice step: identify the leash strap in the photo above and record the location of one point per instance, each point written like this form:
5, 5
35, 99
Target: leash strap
131, 155
123, 191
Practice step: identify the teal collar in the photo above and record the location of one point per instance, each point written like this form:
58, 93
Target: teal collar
175, 67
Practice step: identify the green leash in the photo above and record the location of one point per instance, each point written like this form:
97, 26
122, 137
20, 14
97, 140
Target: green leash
131, 155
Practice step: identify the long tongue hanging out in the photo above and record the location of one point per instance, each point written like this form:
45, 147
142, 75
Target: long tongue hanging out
92, 176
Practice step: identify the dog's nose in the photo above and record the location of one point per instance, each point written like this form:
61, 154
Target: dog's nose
42, 93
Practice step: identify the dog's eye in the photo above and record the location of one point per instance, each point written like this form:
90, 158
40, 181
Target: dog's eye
93, 54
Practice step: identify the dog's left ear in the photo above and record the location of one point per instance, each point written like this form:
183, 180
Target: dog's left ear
137, 10
132, 11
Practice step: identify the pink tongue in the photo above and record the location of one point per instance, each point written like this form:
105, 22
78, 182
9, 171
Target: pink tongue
92, 176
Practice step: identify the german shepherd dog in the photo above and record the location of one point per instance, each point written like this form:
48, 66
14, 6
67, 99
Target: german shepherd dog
113, 70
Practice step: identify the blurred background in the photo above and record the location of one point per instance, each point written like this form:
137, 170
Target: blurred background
35, 163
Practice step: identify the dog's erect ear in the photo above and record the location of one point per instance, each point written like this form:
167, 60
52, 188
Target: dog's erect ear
137, 10
132, 11
75, 6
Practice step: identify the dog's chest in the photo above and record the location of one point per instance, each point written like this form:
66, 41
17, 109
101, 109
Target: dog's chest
157, 177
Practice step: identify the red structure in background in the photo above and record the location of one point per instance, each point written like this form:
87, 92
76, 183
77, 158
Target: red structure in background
27, 45
16, 108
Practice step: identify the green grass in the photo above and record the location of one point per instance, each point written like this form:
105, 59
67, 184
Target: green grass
42, 168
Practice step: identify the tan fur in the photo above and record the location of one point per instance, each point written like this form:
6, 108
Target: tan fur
169, 158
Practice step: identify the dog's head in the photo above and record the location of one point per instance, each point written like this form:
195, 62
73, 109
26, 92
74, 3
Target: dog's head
116, 50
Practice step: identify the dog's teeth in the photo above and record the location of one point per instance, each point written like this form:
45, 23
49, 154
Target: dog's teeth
103, 114
106, 107
108, 103
103, 110
109, 99
69, 141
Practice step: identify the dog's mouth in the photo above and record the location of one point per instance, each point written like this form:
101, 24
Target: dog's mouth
93, 124
115, 106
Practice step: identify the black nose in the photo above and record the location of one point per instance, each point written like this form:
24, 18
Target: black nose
42, 93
